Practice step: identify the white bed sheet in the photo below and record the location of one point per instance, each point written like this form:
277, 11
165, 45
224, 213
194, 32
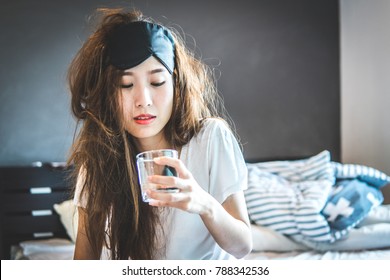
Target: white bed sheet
383, 254
369, 241
46, 249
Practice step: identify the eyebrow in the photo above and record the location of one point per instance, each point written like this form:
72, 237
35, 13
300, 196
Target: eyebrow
154, 71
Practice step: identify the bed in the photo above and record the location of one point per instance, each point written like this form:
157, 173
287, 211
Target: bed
39, 219
314, 208
33, 213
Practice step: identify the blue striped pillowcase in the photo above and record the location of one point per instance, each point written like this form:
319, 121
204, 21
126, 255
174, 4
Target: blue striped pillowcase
317, 167
364, 173
287, 196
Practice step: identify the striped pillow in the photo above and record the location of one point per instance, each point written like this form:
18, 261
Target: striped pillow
287, 196
317, 167
290, 209
364, 173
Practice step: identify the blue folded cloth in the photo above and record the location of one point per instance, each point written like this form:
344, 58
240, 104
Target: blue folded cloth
350, 202
373, 181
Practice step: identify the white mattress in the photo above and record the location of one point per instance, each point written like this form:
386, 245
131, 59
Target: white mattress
46, 249
383, 254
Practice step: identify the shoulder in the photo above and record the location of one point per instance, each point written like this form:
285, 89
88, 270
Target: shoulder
215, 132
215, 126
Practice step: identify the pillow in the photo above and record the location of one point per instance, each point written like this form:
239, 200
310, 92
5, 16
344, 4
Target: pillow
68, 216
285, 195
314, 168
350, 202
364, 173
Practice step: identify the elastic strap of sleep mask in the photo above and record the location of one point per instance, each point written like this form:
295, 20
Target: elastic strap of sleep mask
130, 44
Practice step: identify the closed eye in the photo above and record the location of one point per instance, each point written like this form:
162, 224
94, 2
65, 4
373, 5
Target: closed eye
158, 84
127, 86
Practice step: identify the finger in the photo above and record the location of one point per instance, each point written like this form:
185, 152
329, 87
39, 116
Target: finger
169, 181
160, 198
164, 180
157, 203
175, 163
167, 189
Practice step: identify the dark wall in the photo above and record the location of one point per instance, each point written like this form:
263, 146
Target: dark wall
278, 65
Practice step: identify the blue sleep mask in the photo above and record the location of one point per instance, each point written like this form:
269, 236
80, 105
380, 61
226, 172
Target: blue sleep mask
130, 44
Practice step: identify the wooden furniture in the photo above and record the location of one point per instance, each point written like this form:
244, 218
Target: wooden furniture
28, 194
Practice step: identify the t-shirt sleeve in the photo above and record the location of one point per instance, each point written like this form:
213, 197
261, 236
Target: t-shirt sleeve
228, 171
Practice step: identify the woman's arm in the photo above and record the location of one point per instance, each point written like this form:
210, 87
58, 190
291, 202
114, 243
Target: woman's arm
227, 223
83, 250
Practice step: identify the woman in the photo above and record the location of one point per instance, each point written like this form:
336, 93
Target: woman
135, 87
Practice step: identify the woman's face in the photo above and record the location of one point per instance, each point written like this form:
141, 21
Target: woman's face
147, 101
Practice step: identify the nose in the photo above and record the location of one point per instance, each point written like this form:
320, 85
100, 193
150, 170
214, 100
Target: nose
143, 97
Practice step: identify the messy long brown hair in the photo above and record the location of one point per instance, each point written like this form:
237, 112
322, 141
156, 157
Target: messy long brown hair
105, 153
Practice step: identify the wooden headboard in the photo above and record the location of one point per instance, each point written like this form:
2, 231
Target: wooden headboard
28, 194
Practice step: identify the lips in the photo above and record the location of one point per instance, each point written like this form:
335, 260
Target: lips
144, 119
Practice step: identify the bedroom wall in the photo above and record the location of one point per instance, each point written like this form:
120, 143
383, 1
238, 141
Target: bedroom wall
365, 83
277, 63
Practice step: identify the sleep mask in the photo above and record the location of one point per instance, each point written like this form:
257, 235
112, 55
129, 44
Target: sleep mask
130, 44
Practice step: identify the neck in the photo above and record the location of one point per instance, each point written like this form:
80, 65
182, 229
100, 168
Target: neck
152, 144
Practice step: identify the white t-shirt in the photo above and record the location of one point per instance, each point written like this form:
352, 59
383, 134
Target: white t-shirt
215, 160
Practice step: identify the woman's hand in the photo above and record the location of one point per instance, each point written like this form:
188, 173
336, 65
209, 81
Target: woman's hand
227, 223
190, 196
